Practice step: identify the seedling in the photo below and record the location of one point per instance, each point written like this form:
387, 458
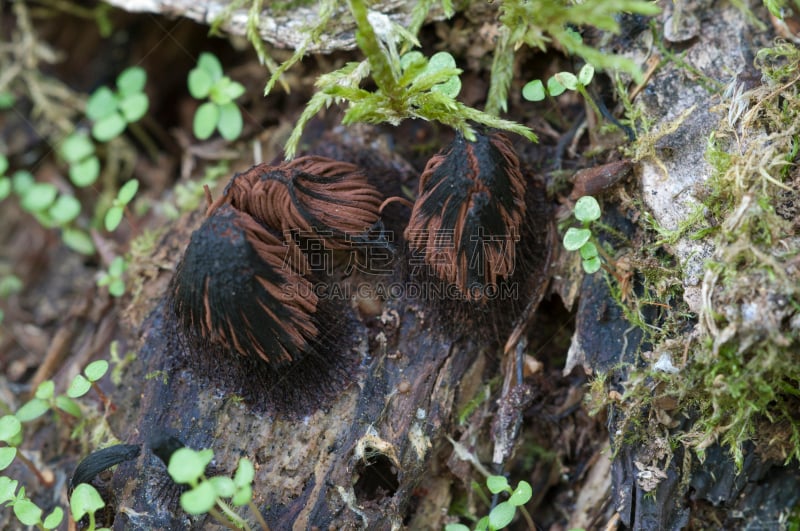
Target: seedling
113, 278
112, 111
220, 112
27, 512
503, 513
187, 466
587, 210
557, 84
85, 500
124, 196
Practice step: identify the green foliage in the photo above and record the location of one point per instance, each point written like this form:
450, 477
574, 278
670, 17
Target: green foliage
27, 512
85, 500
84, 166
114, 214
503, 513
557, 84
111, 111
114, 277
187, 466
537, 24
587, 210
408, 85
220, 113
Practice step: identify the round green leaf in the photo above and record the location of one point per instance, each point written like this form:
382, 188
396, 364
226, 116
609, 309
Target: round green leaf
533, 90
96, 370
223, 486
554, 88
3, 164
131, 80
243, 496
211, 65
85, 172
101, 104
456, 527
575, 238
233, 89
230, 121
245, 473
33, 409
109, 127
79, 387
113, 218
450, 88
521, 495
496, 484
7, 100
586, 74
117, 267
200, 83
65, 209
205, 120
78, 241
10, 428
8, 489
198, 500
116, 287
69, 406
592, 265
501, 515
45, 390
21, 182
54, 519
5, 187
411, 58
75, 147
85, 500
567, 79
482, 524
587, 209
187, 465
27, 512
39, 197
588, 251
7, 455
127, 191
134, 106
441, 60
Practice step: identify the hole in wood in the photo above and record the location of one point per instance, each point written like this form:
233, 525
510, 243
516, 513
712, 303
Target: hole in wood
377, 477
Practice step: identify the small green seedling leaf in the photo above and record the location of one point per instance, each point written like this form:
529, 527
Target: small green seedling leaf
230, 121
85, 172
127, 191
592, 265
65, 209
131, 80
27, 512
117, 267
79, 387
245, 473
223, 486
456, 527
78, 240
32, 410
8, 489
554, 88
3, 164
575, 238
533, 90
211, 65
134, 106
54, 519
231, 89
497, 484
587, 209
39, 197
113, 218
21, 182
567, 80
200, 83
501, 515
109, 127
588, 251
85, 500
7, 455
46, 390
586, 74
76, 147
199, 500
521, 495
205, 120
101, 104
5, 187
69, 406
96, 370
187, 465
